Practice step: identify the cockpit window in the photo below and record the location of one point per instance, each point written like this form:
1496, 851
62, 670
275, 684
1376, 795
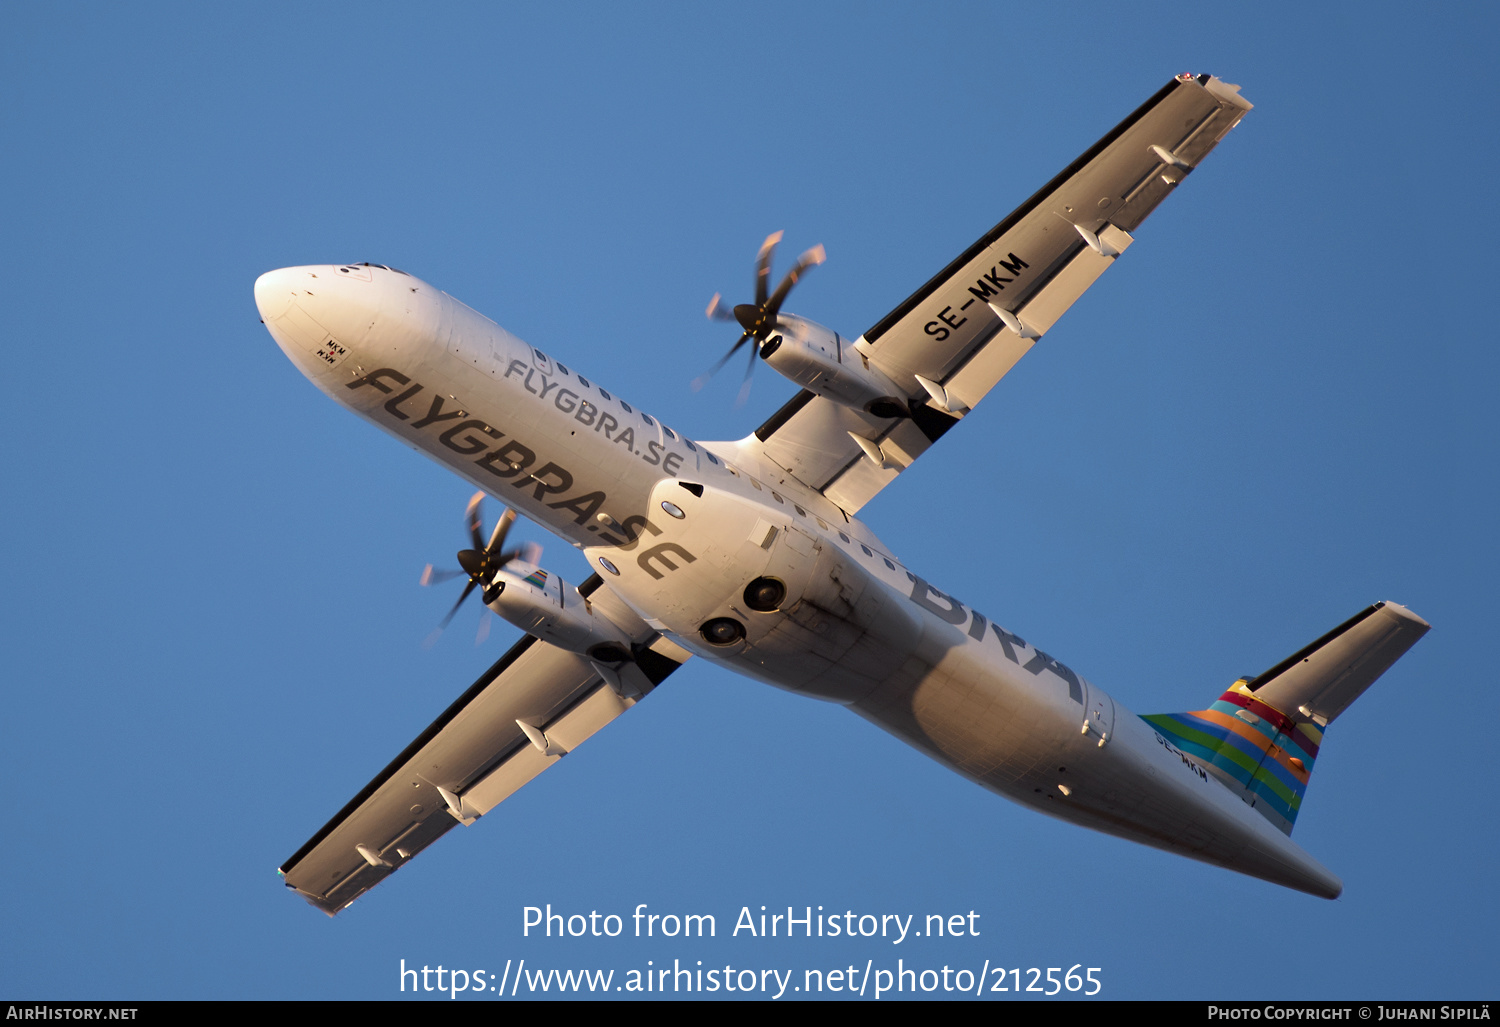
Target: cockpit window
383, 267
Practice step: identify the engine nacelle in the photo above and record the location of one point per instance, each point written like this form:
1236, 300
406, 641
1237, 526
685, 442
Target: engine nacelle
542, 604
822, 361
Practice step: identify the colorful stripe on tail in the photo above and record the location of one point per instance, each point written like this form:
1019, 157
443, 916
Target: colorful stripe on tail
1255, 749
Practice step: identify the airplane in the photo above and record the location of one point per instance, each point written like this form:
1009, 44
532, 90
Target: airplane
751, 553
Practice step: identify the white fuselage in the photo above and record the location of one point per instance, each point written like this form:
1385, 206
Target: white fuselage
678, 529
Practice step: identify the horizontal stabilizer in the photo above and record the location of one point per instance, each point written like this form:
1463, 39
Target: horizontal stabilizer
1321, 680
1262, 737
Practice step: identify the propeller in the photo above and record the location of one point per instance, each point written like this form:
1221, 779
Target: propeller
480, 563
758, 319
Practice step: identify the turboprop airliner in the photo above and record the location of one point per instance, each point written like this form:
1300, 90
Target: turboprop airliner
751, 553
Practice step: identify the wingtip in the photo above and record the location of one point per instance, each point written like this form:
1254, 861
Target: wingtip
1404, 613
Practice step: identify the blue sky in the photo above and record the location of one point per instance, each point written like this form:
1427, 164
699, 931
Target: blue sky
1277, 409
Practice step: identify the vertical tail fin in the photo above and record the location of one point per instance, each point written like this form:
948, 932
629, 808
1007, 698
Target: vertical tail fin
1262, 736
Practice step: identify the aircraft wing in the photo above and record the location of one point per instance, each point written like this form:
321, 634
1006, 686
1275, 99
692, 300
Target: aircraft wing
473, 757
977, 317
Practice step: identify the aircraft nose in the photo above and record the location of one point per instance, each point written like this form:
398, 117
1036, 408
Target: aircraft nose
273, 292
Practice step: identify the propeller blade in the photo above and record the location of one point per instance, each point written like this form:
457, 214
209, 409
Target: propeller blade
475, 521
432, 576
811, 259
763, 267
526, 552
449, 619
718, 310
745, 385
502, 528
432, 637
484, 627
703, 378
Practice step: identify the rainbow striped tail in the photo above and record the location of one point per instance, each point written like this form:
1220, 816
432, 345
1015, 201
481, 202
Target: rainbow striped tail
1261, 738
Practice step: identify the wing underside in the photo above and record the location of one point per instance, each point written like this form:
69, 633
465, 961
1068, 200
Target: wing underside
953, 339
536, 704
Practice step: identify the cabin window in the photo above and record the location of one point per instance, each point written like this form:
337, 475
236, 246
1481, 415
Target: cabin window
711, 458
800, 512
626, 406
647, 418
563, 369
777, 498
584, 380
670, 433
689, 443
604, 394
866, 549
843, 536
